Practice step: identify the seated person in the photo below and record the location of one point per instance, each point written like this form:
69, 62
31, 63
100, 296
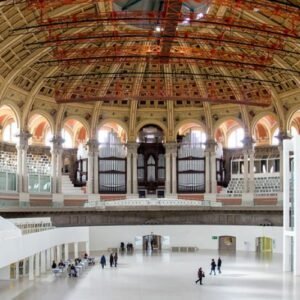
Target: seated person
86, 256
61, 265
73, 271
54, 266
69, 270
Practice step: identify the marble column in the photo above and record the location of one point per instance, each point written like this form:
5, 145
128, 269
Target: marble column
251, 181
281, 137
22, 170
37, 264
76, 250
248, 152
58, 253
245, 175
171, 169
43, 261
92, 164
31, 267
56, 152
66, 252
132, 180
167, 172
128, 172
210, 166
87, 247
174, 171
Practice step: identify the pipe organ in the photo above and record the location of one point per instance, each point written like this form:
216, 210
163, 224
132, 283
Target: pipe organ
112, 165
81, 171
151, 168
190, 166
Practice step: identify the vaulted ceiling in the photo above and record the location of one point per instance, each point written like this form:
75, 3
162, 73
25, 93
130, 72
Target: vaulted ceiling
87, 57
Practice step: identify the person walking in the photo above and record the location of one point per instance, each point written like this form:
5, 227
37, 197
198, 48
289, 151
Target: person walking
103, 261
212, 267
200, 276
116, 259
219, 264
111, 260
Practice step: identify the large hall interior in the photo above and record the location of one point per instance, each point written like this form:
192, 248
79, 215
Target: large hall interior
163, 131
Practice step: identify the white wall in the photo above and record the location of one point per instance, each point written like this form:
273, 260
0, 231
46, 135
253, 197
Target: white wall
15, 249
103, 237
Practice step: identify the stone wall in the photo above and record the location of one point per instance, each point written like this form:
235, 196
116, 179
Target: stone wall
221, 216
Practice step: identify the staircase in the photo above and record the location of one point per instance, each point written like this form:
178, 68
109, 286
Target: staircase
68, 188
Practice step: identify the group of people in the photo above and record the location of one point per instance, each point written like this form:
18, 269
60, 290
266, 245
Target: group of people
71, 269
113, 260
129, 247
213, 266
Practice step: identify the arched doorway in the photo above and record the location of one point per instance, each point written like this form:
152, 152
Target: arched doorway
227, 243
152, 242
264, 244
151, 162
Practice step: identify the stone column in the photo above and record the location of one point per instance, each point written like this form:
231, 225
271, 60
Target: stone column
87, 247
75, 250
251, 181
58, 252
43, 261
52, 255
210, 169
22, 170
207, 171
281, 137
31, 267
128, 173
171, 169
56, 175
17, 270
168, 170
37, 264
48, 259
132, 180
92, 163
245, 175
174, 171
66, 252
134, 157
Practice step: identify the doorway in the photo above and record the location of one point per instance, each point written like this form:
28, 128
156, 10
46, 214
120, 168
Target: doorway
264, 244
152, 242
227, 243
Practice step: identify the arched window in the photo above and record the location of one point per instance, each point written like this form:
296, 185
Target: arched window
275, 140
48, 138
68, 143
294, 131
103, 136
9, 133
235, 138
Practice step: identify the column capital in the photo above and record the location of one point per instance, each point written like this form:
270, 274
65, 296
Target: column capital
282, 135
132, 148
248, 142
23, 136
93, 146
57, 142
210, 145
171, 148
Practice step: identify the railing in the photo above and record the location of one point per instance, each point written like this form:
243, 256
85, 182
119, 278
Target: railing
38, 183
151, 202
8, 181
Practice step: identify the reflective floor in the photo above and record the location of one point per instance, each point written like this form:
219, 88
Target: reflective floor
165, 276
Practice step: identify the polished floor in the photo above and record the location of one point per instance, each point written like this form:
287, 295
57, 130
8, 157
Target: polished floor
165, 276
